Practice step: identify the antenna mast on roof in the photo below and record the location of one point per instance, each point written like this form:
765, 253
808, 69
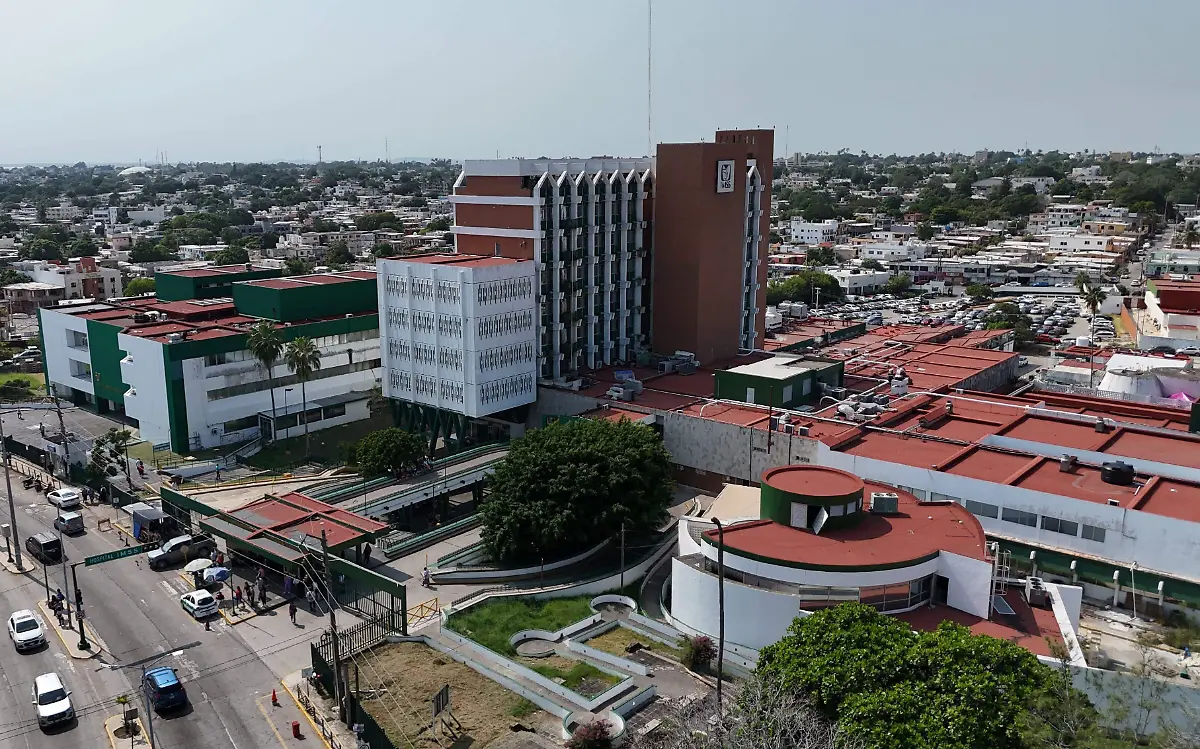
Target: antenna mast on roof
318, 154
649, 76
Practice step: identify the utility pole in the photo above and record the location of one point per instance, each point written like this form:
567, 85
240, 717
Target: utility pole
333, 633
720, 613
622, 555
62, 430
12, 507
83, 642
66, 586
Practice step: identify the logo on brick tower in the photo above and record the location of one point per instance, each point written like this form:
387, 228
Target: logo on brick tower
724, 176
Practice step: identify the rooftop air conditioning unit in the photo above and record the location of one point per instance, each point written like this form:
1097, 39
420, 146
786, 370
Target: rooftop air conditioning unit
885, 503
801, 431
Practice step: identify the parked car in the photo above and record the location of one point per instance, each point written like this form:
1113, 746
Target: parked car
1189, 351
163, 689
198, 603
45, 547
180, 549
25, 630
65, 498
69, 523
52, 700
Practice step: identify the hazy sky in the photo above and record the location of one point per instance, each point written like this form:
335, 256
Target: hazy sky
118, 80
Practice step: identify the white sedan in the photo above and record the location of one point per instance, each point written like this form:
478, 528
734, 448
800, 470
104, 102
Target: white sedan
65, 498
199, 603
25, 630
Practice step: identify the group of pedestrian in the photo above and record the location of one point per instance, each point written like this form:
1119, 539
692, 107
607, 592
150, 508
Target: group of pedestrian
294, 589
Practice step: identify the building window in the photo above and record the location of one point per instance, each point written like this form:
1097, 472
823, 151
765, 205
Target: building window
1020, 517
237, 425
982, 509
1092, 533
1066, 527
331, 412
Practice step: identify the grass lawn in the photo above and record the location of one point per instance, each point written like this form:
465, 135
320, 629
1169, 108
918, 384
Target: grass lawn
327, 446
491, 624
616, 640
37, 386
581, 678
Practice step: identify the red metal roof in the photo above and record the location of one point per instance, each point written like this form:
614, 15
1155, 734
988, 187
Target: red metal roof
914, 533
1032, 628
296, 515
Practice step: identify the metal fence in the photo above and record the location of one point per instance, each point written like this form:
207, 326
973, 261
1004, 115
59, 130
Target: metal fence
372, 732
354, 640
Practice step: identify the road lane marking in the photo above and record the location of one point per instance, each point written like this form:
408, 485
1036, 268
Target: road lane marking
270, 722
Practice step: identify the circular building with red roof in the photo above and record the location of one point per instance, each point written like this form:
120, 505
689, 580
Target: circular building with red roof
822, 537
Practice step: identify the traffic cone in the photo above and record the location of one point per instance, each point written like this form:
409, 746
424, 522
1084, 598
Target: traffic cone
274, 699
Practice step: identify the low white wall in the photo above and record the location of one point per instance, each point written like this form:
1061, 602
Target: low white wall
970, 586
1062, 616
509, 684
616, 662
753, 616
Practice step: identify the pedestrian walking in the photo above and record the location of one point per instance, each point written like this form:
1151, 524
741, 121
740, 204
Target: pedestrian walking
262, 595
292, 611
237, 597
312, 601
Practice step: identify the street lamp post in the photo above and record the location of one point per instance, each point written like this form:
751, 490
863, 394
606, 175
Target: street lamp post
12, 544
83, 642
285, 411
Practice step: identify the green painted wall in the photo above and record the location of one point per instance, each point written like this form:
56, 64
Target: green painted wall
173, 287
776, 504
307, 302
176, 402
823, 567
770, 392
106, 361
177, 352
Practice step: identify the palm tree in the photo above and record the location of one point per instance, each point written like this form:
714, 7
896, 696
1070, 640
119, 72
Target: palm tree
1093, 298
1191, 236
303, 358
266, 343
1082, 279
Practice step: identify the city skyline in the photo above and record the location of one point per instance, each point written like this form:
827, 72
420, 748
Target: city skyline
271, 82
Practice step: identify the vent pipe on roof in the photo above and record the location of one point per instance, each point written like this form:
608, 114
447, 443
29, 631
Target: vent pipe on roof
1067, 462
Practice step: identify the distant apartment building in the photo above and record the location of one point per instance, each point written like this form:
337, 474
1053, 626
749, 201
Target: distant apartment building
1165, 262
1079, 242
1041, 185
1108, 228
1064, 215
63, 212
27, 296
81, 279
813, 232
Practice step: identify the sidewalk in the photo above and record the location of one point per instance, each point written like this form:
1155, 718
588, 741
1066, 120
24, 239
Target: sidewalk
70, 637
114, 728
322, 720
27, 565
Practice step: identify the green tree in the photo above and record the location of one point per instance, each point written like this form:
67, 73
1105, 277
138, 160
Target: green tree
139, 286
441, 223
1190, 235
979, 291
871, 264
1082, 280
10, 276
383, 249
888, 686
304, 358
41, 249
817, 255
265, 342
147, 251
232, 255
898, 283
803, 287
392, 451
569, 486
338, 253
83, 247
295, 266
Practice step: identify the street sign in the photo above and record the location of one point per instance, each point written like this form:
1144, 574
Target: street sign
441, 701
131, 551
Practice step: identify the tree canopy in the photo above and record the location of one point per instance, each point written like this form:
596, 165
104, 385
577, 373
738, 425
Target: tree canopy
871, 264
898, 283
390, 451
139, 286
569, 486
817, 255
888, 686
799, 288
979, 291
338, 253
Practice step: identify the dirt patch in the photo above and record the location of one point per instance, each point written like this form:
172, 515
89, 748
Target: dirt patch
616, 641
556, 662
412, 673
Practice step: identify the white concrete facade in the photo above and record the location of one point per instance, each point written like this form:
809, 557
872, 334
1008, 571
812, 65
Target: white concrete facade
461, 336
810, 232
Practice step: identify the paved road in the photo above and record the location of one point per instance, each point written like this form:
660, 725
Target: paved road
137, 613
